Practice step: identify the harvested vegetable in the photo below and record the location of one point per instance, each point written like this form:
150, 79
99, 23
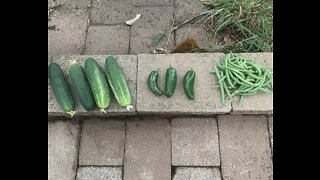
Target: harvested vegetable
61, 89
118, 82
171, 81
240, 76
81, 85
188, 83
153, 83
98, 83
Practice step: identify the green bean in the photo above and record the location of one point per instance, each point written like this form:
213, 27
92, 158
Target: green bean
221, 86
243, 80
228, 79
241, 76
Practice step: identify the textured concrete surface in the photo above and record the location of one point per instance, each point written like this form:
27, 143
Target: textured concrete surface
110, 11
99, 173
102, 142
128, 63
68, 37
148, 150
259, 103
245, 148
197, 173
270, 123
194, 142
153, 20
153, 2
62, 150
207, 97
107, 40
185, 9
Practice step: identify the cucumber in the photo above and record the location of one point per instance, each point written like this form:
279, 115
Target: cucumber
118, 83
98, 83
82, 86
61, 89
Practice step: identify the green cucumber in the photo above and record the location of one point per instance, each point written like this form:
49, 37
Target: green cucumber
98, 83
61, 89
82, 86
118, 83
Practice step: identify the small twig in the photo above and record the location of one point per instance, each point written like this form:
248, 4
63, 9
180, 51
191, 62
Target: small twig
190, 19
170, 32
55, 6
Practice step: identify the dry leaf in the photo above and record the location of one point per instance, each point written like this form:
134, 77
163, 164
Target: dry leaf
132, 21
189, 45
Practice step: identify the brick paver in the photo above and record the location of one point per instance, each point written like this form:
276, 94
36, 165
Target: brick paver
128, 64
207, 97
270, 123
259, 103
153, 2
185, 9
62, 150
153, 20
99, 173
147, 150
195, 142
245, 148
196, 173
110, 11
107, 40
102, 142
68, 37
74, 4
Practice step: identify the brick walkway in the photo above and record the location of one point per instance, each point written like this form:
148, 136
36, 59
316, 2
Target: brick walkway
100, 29
219, 147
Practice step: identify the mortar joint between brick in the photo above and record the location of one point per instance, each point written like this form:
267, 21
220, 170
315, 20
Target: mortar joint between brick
78, 148
219, 145
124, 146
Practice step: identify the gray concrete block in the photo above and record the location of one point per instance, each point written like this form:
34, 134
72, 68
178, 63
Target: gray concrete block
197, 173
207, 97
99, 173
102, 142
68, 37
62, 150
107, 40
259, 103
147, 150
128, 63
194, 142
245, 148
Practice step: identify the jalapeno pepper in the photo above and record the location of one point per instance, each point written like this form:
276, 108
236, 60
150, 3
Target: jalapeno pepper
188, 83
171, 81
153, 83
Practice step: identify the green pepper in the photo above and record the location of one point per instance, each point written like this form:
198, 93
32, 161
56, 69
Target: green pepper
153, 83
188, 83
171, 81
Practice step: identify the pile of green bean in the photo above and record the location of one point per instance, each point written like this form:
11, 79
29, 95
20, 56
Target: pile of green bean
240, 76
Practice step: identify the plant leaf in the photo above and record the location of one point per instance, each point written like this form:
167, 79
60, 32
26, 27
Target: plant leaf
156, 38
